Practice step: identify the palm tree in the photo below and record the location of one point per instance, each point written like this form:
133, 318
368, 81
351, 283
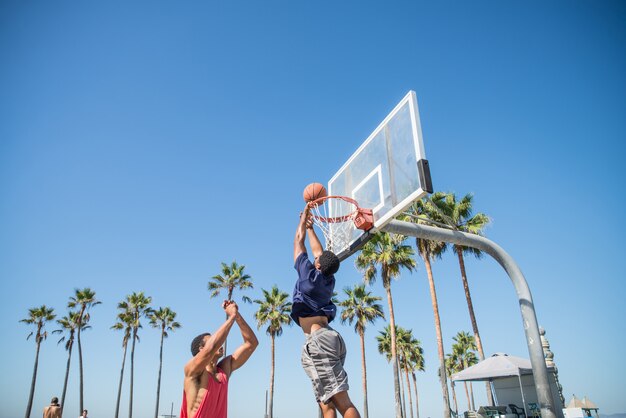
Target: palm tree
274, 310
68, 324
458, 214
138, 305
416, 360
463, 349
405, 342
411, 358
452, 366
37, 317
361, 308
163, 318
403, 338
388, 253
429, 250
124, 322
232, 277
83, 299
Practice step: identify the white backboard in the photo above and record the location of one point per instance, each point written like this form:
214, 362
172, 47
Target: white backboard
387, 172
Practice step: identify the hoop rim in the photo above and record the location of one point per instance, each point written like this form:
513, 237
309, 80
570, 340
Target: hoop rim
335, 219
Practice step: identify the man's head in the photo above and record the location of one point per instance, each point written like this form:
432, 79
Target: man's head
198, 344
327, 263
54, 401
84, 412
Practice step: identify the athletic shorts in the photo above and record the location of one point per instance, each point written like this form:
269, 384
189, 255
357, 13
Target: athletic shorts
323, 356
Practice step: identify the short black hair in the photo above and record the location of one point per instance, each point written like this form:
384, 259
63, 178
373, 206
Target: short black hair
329, 263
198, 343
54, 401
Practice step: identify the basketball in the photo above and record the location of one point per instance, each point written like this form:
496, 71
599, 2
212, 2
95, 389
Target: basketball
313, 192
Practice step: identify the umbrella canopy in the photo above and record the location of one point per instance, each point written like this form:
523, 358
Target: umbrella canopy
498, 365
575, 403
583, 403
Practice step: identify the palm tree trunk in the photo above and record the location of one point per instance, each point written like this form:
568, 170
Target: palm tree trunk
67, 375
29, 406
156, 410
456, 405
271, 404
230, 297
472, 396
119, 389
394, 362
442, 364
470, 307
417, 404
132, 373
363, 368
403, 391
469, 405
80, 357
408, 383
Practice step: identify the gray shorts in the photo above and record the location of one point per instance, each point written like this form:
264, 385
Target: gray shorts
323, 356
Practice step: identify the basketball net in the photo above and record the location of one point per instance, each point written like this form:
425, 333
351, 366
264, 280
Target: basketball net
334, 216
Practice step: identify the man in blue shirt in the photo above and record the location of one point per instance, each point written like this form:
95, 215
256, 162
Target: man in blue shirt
324, 351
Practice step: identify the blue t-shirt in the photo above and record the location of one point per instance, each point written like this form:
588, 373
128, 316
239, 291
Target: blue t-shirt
313, 292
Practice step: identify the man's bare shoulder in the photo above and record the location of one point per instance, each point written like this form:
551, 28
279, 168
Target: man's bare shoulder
52, 411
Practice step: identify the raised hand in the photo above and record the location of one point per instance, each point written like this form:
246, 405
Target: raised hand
230, 307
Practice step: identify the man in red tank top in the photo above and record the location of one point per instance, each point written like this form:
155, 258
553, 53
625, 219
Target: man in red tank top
205, 393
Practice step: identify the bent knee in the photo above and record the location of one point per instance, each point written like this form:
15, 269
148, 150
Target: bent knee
342, 401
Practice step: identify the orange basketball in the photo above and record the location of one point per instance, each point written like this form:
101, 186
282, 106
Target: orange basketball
313, 192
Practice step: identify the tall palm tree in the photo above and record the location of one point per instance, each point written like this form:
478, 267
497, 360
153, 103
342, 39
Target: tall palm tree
387, 253
125, 323
37, 317
361, 308
68, 324
428, 251
274, 310
165, 319
463, 349
138, 305
83, 300
458, 215
232, 277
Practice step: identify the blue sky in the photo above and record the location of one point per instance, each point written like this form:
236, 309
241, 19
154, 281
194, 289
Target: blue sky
143, 143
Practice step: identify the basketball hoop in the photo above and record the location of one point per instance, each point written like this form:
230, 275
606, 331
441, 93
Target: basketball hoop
338, 217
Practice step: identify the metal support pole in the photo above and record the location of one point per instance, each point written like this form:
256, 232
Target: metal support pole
529, 318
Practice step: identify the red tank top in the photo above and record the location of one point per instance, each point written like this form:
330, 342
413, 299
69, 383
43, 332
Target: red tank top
215, 401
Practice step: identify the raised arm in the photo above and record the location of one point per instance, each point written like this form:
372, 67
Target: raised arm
244, 351
314, 241
298, 241
196, 365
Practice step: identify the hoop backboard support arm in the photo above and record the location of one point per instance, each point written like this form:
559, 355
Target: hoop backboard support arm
529, 317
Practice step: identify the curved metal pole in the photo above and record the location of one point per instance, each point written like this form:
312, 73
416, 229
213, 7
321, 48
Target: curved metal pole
529, 318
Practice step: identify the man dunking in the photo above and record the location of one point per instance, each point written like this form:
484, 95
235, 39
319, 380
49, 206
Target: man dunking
324, 351
205, 392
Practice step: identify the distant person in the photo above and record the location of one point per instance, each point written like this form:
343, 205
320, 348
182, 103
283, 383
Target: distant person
205, 393
84, 414
53, 410
324, 351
